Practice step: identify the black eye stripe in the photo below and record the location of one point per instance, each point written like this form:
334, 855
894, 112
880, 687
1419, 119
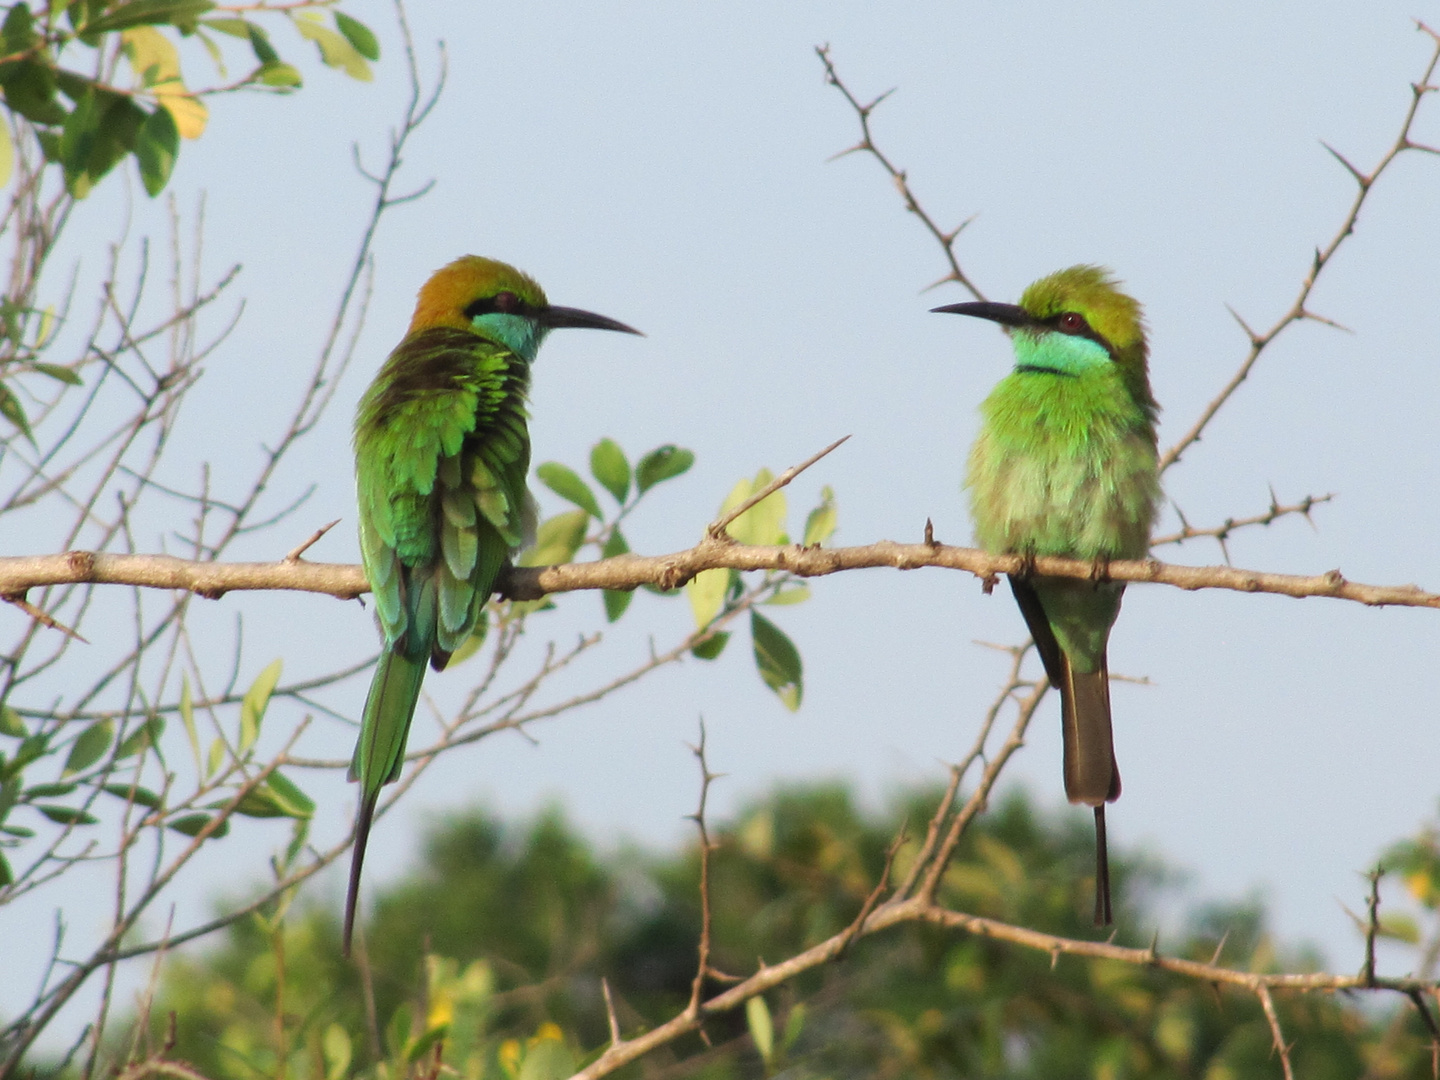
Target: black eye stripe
503, 302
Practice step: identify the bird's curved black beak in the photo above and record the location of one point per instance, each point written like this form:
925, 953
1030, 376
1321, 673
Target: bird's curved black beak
1004, 314
553, 318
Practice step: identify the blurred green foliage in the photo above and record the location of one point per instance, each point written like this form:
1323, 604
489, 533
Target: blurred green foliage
489, 957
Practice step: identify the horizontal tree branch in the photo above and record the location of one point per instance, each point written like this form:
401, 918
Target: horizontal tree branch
347, 581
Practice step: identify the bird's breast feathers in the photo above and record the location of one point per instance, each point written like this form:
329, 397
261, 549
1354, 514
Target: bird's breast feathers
1063, 466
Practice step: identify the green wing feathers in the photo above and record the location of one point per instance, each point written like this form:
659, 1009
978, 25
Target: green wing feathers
441, 455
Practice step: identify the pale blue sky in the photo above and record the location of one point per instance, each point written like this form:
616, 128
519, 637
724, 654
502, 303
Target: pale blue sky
667, 165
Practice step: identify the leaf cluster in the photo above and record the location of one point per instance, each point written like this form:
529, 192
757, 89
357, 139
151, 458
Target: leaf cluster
517, 924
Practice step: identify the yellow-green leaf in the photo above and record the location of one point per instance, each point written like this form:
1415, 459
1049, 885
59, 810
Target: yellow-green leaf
10, 723
7, 155
820, 525
186, 110
278, 74
214, 758
706, 591
153, 58
762, 1027
252, 707
335, 49
558, 539
335, 1044
794, 595
763, 523
187, 717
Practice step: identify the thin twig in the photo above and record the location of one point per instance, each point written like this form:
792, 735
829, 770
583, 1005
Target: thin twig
716, 529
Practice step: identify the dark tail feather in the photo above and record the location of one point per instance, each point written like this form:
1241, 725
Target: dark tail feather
357, 860
1102, 870
1092, 775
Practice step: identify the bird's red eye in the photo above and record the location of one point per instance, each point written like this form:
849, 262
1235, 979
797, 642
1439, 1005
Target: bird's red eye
1072, 322
506, 301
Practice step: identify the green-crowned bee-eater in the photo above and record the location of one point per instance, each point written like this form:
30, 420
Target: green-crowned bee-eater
441, 455
1065, 464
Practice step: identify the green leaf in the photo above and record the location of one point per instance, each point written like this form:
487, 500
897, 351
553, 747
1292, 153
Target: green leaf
418, 1048
157, 145
18, 29
237, 28
298, 804
30, 91
147, 734
32, 748
10, 723
820, 525
11, 409
277, 797
609, 466
778, 660
359, 35
48, 791
56, 371
335, 49
711, 647
252, 707
279, 74
214, 758
663, 463
616, 600
179, 13
260, 45
67, 815
794, 1024
557, 540
397, 1032
187, 717
795, 595
89, 747
565, 482
138, 795
706, 591
762, 1027
7, 877
193, 824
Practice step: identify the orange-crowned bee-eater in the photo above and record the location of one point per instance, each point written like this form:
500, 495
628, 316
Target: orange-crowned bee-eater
441, 455
1065, 464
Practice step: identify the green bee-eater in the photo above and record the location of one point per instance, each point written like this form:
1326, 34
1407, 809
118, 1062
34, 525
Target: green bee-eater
441, 455
1065, 464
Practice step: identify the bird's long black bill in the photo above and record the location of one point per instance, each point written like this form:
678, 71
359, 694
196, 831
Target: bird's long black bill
1004, 314
1102, 871
558, 317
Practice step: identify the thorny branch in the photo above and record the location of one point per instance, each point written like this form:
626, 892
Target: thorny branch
346, 581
